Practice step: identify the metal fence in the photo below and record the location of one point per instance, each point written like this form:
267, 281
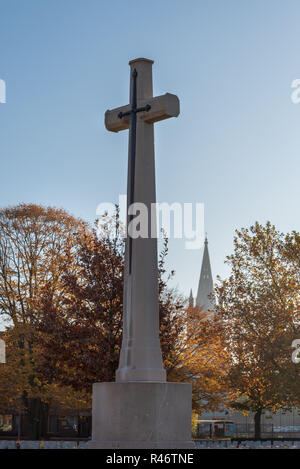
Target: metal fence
215, 430
246, 430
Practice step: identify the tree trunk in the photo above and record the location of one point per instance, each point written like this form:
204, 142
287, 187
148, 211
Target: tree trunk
257, 424
44, 420
37, 412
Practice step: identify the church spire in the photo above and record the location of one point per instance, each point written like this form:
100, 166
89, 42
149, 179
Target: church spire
205, 295
191, 299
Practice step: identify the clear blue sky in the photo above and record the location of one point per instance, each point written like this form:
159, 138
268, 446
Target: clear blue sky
235, 146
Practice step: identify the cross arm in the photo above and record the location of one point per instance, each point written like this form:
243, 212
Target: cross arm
162, 107
112, 120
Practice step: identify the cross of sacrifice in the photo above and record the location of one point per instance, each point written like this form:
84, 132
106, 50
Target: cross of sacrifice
140, 357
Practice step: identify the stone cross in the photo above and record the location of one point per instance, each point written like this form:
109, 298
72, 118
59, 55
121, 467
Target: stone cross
140, 358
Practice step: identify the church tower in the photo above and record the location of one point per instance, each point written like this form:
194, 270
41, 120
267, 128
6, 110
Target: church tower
205, 296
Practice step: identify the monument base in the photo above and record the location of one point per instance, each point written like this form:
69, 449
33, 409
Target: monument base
142, 415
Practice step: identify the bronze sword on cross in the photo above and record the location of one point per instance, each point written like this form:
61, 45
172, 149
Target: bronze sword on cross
132, 147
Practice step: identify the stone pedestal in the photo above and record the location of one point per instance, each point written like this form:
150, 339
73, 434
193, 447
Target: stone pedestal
142, 415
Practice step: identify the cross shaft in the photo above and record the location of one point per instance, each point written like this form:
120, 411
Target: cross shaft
132, 148
140, 357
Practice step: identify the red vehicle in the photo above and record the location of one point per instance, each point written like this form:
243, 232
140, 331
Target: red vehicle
214, 429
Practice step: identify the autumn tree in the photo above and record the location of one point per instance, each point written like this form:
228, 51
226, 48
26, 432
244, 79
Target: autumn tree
80, 330
202, 360
32, 241
258, 305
